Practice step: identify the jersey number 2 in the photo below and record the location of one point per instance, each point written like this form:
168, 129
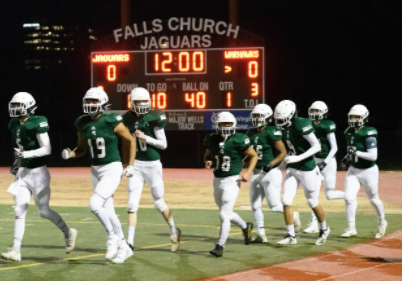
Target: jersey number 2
100, 145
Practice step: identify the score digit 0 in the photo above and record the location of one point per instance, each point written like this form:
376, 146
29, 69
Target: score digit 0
159, 100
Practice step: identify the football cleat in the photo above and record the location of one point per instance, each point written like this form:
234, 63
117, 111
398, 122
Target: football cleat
175, 239
123, 253
381, 230
312, 227
247, 233
296, 221
12, 255
112, 245
259, 238
288, 240
70, 241
217, 251
349, 232
323, 236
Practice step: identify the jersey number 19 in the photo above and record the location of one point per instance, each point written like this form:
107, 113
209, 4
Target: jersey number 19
100, 145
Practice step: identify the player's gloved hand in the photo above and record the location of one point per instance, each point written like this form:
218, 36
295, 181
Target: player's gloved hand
18, 154
352, 151
129, 171
344, 162
321, 166
292, 159
267, 168
140, 135
66, 153
16, 165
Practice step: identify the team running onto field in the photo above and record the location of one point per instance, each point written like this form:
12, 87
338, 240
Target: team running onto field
305, 148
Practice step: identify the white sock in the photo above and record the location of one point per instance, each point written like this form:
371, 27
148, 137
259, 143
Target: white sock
313, 217
130, 235
173, 229
381, 220
236, 219
17, 244
103, 216
352, 225
260, 228
114, 219
259, 221
323, 225
224, 232
19, 229
291, 229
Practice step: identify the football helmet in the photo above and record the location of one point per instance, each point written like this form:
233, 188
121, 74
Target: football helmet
358, 110
95, 108
22, 104
140, 94
226, 117
261, 115
285, 112
322, 109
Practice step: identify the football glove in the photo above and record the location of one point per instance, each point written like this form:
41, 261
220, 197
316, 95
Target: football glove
344, 162
16, 165
352, 151
66, 153
321, 166
18, 154
292, 159
129, 171
267, 168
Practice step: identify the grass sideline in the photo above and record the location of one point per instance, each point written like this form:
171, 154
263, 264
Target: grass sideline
43, 256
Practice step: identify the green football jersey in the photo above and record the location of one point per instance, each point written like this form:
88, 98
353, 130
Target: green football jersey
295, 142
100, 137
228, 155
145, 123
262, 143
24, 136
358, 141
321, 131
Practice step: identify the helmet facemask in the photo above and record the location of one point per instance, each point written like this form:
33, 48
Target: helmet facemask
259, 120
142, 107
283, 123
20, 109
93, 109
356, 122
226, 131
316, 114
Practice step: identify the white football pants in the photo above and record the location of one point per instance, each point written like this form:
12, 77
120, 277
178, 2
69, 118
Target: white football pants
34, 182
149, 172
226, 191
369, 179
311, 181
105, 181
268, 186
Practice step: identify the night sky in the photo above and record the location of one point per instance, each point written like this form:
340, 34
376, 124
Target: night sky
341, 52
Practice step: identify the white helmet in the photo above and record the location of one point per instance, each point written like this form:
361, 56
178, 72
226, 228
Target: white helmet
22, 104
95, 94
285, 111
358, 110
322, 111
140, 94
261, 115
226, 117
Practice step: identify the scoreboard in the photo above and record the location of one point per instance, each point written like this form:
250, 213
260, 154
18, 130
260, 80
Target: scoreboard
184, 80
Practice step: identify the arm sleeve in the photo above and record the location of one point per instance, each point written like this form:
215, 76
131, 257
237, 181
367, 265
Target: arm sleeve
160, 141
315, 146
334, 147
371, 154
45, 148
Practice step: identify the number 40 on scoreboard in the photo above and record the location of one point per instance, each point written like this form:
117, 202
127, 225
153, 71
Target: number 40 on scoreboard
191, 79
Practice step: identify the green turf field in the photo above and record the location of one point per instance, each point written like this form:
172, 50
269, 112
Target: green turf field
43, 256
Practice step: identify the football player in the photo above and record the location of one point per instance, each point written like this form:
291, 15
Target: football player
302, 144
325, 159
30, 135
147, 125
361, 154
98, 132
226, 149
267, 178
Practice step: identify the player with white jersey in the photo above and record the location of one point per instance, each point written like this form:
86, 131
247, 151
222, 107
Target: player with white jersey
298, 135
362, 154
30, 135
147, 125
226, 149
267, 178
325, 159
99, 132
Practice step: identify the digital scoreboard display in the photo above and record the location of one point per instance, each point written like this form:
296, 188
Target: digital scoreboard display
188, 80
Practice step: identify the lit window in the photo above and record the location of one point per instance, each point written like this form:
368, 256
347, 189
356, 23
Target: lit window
37, 67
60, 61
45, 27
56, 49
36, 41
90, 30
